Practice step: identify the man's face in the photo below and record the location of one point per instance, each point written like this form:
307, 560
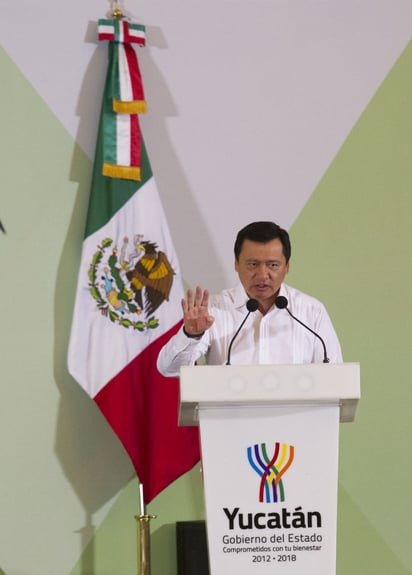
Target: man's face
262, 269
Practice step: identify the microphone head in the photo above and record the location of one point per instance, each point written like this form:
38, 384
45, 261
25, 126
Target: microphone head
281, 302
252, 304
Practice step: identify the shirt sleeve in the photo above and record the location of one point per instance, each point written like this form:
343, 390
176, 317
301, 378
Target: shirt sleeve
179, 351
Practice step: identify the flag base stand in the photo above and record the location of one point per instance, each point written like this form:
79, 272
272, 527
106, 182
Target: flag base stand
143, 538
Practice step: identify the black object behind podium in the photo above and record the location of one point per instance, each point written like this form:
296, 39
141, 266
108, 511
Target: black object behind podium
191, 548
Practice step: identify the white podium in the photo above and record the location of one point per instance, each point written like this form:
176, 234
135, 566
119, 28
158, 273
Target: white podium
270, 443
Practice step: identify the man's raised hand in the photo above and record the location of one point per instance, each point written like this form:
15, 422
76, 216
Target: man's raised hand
196, 312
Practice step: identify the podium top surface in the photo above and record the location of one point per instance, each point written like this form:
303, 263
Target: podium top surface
266, 385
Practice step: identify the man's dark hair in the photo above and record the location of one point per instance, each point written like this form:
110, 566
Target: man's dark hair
263, 232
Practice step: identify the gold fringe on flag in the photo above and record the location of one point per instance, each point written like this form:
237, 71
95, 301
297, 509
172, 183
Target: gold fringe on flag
134, 107
123, 172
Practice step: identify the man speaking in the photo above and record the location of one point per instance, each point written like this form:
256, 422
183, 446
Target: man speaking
260, 321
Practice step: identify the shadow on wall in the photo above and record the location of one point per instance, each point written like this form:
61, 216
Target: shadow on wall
187, 224
163, 550
91, 455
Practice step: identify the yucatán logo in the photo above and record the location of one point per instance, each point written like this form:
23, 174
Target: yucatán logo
271, 469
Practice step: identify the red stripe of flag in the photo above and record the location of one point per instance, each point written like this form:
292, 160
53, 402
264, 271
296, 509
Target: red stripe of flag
142, 407
106, 36
135, 141
134, 71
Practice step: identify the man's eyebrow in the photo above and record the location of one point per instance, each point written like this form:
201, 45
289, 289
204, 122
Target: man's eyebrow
254, 260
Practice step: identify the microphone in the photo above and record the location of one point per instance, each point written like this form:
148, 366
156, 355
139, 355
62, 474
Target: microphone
282, 303
252, 305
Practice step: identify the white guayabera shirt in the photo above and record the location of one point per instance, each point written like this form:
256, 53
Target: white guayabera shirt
274, 338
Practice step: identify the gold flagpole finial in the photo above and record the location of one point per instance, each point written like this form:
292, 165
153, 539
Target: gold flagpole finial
117, 12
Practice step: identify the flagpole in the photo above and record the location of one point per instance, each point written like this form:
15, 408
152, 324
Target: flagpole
143, 537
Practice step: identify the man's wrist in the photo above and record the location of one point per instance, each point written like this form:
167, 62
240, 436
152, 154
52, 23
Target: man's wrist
193, 335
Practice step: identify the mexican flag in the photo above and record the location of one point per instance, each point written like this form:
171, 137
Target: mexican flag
127, 306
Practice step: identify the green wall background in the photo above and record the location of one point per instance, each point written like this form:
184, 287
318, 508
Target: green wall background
352, 245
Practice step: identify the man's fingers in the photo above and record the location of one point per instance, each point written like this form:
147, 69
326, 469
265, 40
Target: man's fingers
205, 298
198, 297
189, 298
195, 303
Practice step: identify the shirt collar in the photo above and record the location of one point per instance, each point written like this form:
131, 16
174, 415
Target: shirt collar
240, 297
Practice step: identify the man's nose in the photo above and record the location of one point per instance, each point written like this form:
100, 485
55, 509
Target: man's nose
262, 269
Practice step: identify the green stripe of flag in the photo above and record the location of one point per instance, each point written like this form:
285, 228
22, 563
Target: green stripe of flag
108, 195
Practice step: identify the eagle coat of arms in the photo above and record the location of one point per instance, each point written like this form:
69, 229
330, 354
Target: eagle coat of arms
130, 284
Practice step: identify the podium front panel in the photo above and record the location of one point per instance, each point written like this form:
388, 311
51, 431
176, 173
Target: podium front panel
270, 478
